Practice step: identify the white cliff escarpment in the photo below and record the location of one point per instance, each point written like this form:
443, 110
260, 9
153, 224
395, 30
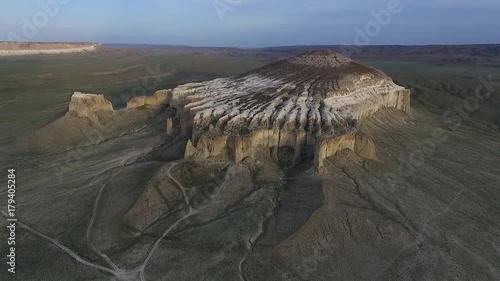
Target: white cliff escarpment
33, 48
310, 103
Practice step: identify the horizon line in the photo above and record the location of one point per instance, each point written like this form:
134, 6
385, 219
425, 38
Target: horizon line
261, 47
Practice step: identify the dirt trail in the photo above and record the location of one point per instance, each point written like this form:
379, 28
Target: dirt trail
158, 241
120, 274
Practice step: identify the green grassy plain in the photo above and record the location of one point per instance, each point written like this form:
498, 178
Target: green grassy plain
440, 87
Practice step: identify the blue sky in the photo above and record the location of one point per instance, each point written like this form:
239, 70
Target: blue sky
251, 23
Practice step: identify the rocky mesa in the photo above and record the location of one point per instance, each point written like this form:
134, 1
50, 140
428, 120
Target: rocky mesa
88, 105
307, 106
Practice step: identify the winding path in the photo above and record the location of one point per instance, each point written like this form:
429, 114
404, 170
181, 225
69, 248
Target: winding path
62, 247
115, 270
91, 224
158, 241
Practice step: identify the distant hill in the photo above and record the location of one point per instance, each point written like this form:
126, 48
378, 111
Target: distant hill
460, 54
38, 48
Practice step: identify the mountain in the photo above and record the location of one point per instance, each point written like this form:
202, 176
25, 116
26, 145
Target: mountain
310, 104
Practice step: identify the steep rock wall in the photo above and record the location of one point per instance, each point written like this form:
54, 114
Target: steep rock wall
359, 144
304, 146
159, 97
90, 105
87, 105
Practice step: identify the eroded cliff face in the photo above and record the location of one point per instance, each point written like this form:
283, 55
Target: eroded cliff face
360, 144
37, 48
310, 103
91, 119
159, 97
88, 105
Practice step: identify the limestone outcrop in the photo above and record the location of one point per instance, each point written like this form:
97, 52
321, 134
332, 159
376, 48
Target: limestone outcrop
39, 48
159, 97
95, 107
91, 119
88, 105
310, 103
